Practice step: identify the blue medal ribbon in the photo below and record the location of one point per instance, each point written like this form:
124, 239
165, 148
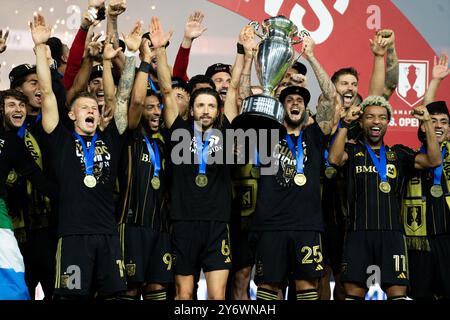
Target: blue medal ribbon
256, 162
380, 163
327, 164
437, 172
154, 156
202, 151
154, 89
21, 131
89, 154
299, 156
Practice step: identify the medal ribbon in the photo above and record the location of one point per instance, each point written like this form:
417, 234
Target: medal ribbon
202, 151
154, 156
437, 172
327, 164
299, 156
380, 164
89, 154
256, 158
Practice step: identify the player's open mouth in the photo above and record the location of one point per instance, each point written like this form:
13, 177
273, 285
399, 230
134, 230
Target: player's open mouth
375, 131
37, 97
439, 133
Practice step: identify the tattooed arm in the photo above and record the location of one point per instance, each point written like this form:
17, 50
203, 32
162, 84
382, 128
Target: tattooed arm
245, 79
132, 41
326, 107
392, 70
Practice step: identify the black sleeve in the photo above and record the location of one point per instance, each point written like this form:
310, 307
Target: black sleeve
406, 157
60, 94
178, 124
24, 164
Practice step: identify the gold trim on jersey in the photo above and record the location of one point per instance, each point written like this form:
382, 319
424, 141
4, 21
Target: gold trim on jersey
58, 264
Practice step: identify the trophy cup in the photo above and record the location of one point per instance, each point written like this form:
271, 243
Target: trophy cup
274, 57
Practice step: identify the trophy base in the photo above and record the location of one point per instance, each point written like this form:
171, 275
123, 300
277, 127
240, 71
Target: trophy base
261, 112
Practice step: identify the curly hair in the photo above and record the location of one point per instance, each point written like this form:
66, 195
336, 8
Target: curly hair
377, 101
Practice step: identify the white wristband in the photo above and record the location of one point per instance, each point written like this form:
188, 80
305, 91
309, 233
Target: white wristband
129, 53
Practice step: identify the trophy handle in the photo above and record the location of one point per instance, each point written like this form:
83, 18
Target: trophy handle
300, 37
256, 26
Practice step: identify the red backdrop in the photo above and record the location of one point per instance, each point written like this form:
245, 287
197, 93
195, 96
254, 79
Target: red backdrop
342, 29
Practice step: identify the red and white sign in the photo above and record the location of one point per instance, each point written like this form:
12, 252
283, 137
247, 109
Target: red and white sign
341, 30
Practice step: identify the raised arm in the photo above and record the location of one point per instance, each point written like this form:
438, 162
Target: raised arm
337, 155
139, 91
245, 83
392, 69
116, 8
439, 72
3, 39
231, 108
81, 81
108, 81
192, 30
433, 156
40, 33
132, 41
378, 45
326, 107
159, 40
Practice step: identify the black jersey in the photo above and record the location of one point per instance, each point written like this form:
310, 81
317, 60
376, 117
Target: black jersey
13, 154
84, 210
437, 209
188, 201
368, 207
142, 204
283, 205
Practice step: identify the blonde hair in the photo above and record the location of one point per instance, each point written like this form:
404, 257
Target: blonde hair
376, 101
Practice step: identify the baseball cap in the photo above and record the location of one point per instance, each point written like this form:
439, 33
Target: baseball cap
180, 83
18, 74
300, 67
96, 72
303, 92
216, 68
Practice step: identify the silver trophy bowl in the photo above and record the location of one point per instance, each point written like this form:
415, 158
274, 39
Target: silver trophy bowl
274, 57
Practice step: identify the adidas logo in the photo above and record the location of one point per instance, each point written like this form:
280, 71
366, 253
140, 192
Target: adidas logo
359, 154
319, 267
228, 260
402, 276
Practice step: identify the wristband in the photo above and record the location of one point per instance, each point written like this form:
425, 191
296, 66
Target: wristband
344, 124
240, 48
144, 67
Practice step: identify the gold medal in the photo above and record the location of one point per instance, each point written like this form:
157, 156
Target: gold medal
385, 187
436, 191
90, 181
255, 172
201, 180
300, 179
156, 183
330, 172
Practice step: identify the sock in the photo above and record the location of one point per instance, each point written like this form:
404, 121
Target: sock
156, 295
310, 294
126, 297
266, 294
355, 298
397, 298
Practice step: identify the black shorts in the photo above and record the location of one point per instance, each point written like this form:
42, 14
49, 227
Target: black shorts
333, 246
200, 244
89, 263
147, 254
421, 276
365, 251
38, 251
243, 253
440, 251
280, 253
